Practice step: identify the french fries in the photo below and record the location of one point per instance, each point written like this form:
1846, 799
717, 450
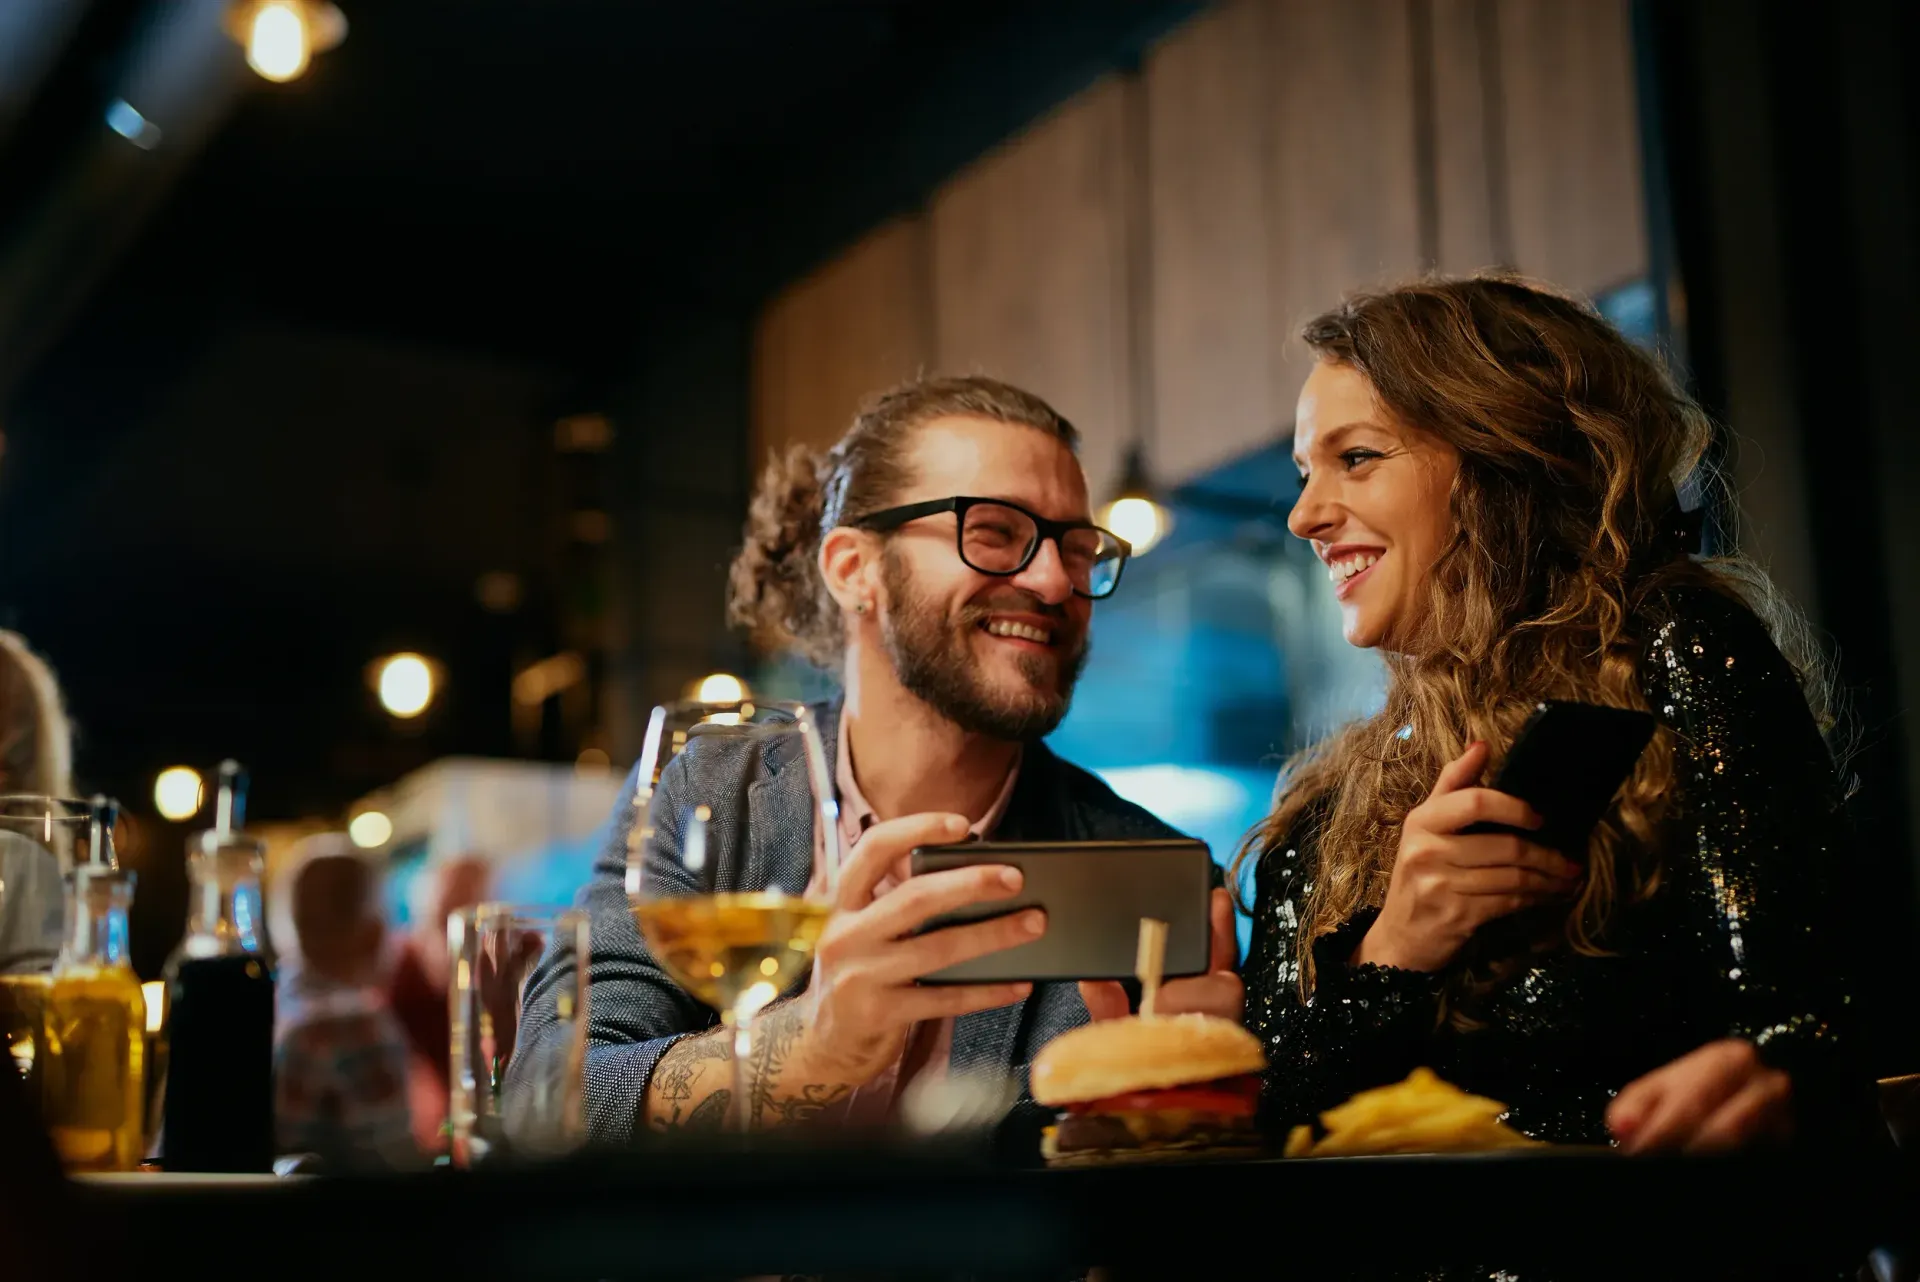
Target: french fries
1420, 1115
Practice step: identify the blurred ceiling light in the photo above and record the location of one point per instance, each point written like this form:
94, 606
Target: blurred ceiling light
1136, 513
583, 434
538, 682
178, 792
720, 687
155, 993
1141, 522
281, 36
370, 829
405, 684
125, 119
499, 591
592, 526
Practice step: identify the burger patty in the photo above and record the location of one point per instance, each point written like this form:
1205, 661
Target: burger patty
1077, 1132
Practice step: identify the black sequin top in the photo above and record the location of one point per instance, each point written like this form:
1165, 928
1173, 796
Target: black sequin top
1736, 942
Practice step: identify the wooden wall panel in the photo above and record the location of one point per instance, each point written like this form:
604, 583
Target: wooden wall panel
1282, 170
1573, 149
1343, 189
1472, 231
1210, 331
854, 327
1029, 270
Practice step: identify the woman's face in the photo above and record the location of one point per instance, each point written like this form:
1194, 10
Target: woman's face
1373, 502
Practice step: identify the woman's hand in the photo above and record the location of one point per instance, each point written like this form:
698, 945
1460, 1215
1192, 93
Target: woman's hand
1447, 884
1218, 992
1717, 1098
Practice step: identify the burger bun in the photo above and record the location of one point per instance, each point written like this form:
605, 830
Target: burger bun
1119, 1056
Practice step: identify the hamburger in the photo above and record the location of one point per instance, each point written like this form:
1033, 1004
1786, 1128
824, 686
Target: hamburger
1145, 1087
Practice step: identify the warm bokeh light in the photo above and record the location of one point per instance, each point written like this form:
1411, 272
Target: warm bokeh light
592, 761
720, 687
534, 684
370, 829
1141, 522
279, 40
406, 685
155, 991
178, 792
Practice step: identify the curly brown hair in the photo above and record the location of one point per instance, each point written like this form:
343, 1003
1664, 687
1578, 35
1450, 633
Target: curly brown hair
774, 587
1573, 443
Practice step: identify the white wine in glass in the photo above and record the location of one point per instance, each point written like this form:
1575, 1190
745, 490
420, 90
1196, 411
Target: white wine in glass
735, 949
735, 952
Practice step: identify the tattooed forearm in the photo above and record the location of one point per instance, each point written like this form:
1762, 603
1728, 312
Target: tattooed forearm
688, 1077
773, 1100
710, 1113
692, 1083
813, 1100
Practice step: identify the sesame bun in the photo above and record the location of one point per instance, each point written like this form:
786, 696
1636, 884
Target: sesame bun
1115, 1056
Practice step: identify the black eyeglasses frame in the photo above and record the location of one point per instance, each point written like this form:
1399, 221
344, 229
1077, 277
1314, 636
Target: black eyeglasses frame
888, 519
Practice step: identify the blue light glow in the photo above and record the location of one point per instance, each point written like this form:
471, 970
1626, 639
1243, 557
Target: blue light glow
124, 119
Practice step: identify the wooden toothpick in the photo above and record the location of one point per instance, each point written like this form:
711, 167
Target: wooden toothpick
1151, 960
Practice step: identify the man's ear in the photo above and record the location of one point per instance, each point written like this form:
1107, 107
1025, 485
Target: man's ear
850, 566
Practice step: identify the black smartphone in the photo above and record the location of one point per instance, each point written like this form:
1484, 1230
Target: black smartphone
1094, 893
1567, 762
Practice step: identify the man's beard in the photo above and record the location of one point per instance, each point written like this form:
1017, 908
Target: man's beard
933, 658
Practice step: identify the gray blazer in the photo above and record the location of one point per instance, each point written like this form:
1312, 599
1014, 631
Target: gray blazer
636, 1012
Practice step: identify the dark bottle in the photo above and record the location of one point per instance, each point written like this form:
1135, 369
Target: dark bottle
217, 1113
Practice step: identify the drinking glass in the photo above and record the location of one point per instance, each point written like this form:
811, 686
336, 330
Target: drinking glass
39, 836
509, 1095
734, 946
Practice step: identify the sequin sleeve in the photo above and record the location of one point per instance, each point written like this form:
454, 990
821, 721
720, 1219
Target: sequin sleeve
1363, 1025
1755, 847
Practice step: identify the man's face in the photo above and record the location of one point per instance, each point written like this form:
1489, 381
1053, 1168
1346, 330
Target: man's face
949, 629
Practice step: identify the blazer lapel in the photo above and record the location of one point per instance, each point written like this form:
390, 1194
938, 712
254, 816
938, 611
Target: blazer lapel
781, 814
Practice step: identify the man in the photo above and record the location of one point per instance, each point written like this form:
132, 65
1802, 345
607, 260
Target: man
942, 559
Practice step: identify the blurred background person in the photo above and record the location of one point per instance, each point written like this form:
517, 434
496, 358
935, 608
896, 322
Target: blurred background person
36, 757
416, 986
1489, 472
340, 1057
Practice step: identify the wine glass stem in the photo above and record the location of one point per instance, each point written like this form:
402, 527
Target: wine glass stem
742, 1113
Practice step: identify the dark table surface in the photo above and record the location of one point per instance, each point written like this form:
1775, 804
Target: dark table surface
680, 1212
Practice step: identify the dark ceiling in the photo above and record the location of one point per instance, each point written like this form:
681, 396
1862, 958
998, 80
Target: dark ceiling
275, 392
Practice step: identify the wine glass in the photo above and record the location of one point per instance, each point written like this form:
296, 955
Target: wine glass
734, 946
39, 840
509, 1095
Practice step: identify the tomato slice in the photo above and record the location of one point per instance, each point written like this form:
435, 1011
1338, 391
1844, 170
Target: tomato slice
1228, 1097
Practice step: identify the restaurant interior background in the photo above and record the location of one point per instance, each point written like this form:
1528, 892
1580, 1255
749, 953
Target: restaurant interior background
467, 342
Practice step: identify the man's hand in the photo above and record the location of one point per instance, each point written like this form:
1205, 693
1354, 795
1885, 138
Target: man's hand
863, 997
1218, 992
851, 1022
1717, 1098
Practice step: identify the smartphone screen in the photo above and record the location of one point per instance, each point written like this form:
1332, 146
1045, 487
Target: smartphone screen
1094, 894
1568, 762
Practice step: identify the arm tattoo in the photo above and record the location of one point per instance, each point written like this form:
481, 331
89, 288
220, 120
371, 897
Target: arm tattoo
674, 1081
772, 1102
686, 1094
710, 1113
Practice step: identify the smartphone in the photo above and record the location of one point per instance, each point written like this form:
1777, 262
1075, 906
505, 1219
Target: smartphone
1094, 894
1567, 762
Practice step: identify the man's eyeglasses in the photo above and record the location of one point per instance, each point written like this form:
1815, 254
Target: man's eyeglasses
1000, 538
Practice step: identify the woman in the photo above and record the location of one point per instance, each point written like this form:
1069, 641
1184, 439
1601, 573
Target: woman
36, 757
1489, 474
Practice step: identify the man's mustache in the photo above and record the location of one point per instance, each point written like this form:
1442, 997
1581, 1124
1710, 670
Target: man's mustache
1013, 601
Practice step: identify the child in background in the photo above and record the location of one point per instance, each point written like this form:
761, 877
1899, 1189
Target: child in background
340, 1057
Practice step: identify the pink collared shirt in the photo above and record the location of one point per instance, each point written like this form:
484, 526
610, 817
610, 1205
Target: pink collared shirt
929, 1045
